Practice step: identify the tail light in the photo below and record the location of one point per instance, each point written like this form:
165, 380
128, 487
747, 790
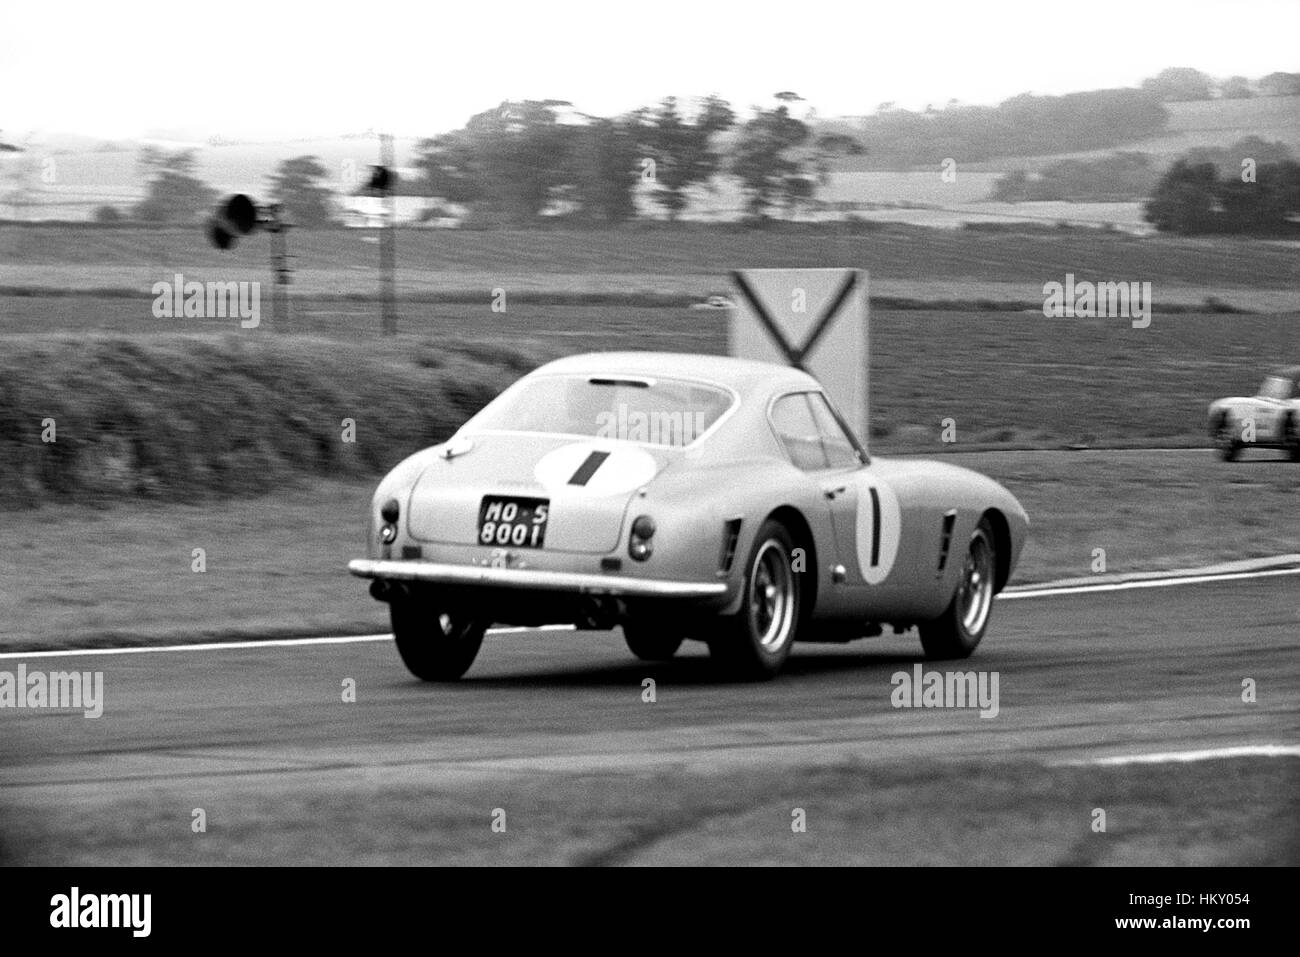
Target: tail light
639, 545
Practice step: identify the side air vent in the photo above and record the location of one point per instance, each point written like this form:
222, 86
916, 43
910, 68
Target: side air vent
945, 539
730, 535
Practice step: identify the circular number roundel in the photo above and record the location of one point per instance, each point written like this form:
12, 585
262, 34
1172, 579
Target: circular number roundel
591, 469
880, 526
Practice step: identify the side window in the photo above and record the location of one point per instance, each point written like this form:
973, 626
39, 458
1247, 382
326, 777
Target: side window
792, 418
841, 451
1277, 387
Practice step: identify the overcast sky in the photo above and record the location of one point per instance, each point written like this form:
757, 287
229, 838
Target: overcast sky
266, 70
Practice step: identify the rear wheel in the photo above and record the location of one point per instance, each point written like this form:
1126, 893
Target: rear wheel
434, 644
1226, 441
650, 643
1291, 437
956, 632
755, 642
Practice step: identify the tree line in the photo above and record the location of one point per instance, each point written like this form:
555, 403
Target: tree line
523, 160
527, 161
1251, 198
1251, 187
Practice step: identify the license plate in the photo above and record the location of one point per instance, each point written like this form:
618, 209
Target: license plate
514, 522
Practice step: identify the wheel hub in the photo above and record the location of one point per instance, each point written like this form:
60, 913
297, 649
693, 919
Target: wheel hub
975, 594
772, 598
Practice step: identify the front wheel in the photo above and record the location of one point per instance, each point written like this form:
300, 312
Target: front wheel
1226, 441
755, 642
956, 632
435, 645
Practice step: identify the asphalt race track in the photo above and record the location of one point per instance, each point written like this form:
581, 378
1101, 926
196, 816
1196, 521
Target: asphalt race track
1081, 676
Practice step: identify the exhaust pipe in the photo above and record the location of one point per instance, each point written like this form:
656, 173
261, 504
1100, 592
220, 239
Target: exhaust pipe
598, 613
381, 589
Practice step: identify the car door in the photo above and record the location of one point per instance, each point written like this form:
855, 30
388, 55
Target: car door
1288, 397
1291, 407
1268, 408
865, 515
797, 427
864, 510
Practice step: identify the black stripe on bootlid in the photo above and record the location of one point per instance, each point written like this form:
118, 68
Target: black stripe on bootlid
588, 468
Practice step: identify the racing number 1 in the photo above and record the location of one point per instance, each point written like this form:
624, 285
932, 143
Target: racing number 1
875, 527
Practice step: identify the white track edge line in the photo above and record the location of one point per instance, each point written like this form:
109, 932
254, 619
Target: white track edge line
1183, 757
1045, 591
1049, 590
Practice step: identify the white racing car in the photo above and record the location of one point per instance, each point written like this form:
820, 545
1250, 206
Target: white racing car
681, 497
1270, 419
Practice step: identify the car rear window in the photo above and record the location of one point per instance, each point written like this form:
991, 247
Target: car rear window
655, 411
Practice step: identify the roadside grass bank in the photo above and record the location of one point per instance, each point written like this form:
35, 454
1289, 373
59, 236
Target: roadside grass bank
201, 409
80, 576
92, 419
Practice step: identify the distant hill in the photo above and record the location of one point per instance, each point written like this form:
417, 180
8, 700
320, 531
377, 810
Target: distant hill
1215, 123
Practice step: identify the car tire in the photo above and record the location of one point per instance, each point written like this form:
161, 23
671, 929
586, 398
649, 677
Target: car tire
650, 643
754, 643
435, 645
1226, 442
957, 632
1291, 437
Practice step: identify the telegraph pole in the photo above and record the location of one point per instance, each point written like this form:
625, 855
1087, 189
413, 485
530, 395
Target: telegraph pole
388, 236
239, 216
278, 229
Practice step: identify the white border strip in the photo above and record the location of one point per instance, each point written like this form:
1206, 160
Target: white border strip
243, 645
1047, 590
1267, 563
205, 646
1207, 754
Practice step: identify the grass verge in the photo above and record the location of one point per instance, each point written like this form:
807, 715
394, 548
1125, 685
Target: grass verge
81, 576
1212, 813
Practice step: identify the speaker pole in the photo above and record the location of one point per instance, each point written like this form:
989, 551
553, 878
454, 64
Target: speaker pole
279, 229
388, 239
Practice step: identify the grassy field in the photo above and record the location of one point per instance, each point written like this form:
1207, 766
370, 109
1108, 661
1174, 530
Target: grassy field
68, 256
856, 813
78, 576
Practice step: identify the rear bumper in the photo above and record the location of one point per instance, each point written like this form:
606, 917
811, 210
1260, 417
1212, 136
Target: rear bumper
527, 579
